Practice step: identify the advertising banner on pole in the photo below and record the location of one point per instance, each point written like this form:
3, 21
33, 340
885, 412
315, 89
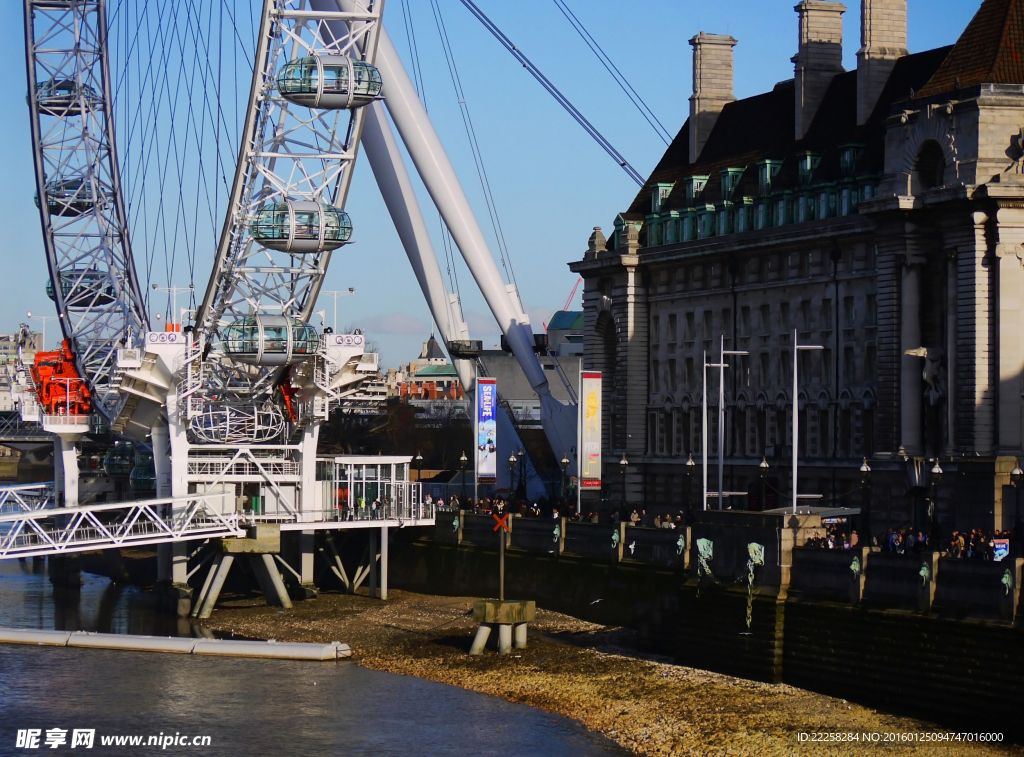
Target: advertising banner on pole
590, 430
486, 430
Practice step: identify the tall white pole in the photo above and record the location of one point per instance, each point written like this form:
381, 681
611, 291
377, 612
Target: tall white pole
796, 417
704, 428
796, 406
721, 419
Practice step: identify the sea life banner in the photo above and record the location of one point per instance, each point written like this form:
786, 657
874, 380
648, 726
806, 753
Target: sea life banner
486, 430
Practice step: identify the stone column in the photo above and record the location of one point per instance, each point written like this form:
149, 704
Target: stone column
911, 398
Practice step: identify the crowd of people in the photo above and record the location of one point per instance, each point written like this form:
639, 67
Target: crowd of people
547, 509
976, 544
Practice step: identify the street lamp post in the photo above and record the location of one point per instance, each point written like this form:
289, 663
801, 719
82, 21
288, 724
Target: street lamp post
565, 472
463, 460
797, 348
935, 476
865, 481
511, 474
690, 465
763, 469
418, 463
336, 293
721, 366
174, 292
1017, 479
45, 319
623, 465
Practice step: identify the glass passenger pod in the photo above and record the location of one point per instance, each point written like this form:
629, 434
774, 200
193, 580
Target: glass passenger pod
143, 476
119, 460
300, 227
73, 197
331, 82
270, 340
83, 288
64, 97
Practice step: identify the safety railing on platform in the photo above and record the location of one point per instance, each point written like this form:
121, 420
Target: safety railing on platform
114, 525
65, 420
237, 466
383, 511
26, 498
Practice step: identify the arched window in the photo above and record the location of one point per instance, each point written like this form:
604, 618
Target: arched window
930, 168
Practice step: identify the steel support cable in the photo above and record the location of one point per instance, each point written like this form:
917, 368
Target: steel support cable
554, 92
617, 75
478, 158
414, 53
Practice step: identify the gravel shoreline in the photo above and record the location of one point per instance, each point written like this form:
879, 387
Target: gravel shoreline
582, 671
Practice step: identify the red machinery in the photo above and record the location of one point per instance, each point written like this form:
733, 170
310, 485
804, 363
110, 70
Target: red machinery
61, 391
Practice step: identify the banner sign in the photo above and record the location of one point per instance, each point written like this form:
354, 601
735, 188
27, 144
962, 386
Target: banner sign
1001, 549
590, 430
486, 431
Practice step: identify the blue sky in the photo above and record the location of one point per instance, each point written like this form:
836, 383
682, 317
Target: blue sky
551, 183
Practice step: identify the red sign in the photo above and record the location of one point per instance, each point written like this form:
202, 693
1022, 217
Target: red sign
502, 521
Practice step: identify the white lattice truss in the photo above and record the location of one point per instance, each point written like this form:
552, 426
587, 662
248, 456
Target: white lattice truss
87, 250
115, 525
289, 152
26, 498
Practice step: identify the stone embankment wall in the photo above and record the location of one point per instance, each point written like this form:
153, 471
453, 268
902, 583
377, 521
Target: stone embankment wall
735, 593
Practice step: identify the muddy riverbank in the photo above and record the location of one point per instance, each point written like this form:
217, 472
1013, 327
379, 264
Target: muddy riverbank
582, 671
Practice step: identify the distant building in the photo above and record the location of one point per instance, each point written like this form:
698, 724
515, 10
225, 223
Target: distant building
876, 213
429, 378
565, 333
30, 342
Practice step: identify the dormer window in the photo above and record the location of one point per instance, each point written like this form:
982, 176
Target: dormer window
730, 178
693, 186
848, 156
766, 172
806, 164
660, 193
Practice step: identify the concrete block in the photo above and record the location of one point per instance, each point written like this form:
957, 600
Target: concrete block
263, 538
509, 611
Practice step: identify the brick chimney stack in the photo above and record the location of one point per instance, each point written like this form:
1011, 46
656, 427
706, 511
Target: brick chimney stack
883, 39
819, 58
712, 86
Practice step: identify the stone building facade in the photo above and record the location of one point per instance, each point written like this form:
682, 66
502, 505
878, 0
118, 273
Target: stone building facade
877, 214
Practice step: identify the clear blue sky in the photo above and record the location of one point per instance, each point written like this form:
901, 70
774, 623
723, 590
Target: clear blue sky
551, 183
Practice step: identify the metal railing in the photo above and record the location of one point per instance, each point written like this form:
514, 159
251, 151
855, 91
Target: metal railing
26, 498
400, 511
65, 420
227, 466
115, 525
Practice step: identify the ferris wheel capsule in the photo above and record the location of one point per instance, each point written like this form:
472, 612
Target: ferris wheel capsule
332, 82
72, 197
64, 97
300, 227
83, 288
270, 340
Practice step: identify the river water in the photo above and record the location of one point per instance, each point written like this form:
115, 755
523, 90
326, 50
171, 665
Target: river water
245, 707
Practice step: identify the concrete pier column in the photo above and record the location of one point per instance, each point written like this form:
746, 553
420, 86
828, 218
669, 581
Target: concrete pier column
480, 640
218, 583
269, 577
372, 552
520, 635
161, 459
58, 471
384, 562
307, 547
67, 453
911, 396
504, 638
